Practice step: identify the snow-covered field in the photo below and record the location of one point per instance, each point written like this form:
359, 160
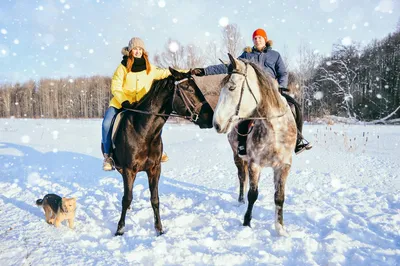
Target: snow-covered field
342, 200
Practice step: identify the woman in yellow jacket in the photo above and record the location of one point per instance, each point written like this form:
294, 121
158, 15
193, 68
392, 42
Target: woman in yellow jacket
131, 81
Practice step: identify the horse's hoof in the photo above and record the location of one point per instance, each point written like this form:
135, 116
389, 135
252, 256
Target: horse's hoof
241, 201
280, 230
159, 233
247, 224
119, 232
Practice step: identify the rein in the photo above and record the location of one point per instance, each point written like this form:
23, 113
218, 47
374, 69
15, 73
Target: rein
194, 114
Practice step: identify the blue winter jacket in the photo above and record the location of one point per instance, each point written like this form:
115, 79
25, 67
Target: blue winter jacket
268, 59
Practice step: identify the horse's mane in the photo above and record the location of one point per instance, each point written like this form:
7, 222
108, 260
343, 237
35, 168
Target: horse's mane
160, 84
270, 96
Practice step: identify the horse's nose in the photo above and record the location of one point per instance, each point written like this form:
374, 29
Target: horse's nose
217, 127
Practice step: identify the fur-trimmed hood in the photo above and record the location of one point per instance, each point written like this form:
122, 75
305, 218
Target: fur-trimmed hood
249, 49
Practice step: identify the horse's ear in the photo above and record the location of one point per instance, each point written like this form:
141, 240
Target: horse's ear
175, 73
233, 61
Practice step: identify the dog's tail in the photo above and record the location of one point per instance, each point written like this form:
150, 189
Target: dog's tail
39, 202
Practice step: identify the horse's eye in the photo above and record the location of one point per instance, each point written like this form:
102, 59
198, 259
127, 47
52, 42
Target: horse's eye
232, 88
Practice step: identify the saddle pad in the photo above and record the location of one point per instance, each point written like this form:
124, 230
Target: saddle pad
115, 126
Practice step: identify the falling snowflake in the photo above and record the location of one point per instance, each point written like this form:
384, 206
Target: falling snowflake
346, 41
328, 5
33, 178
25, 139
385, 6
161, 3
173, 47
175, 20
3, 52
3, 31
91, 51
335, 183
330, 20
318, 95
379, 96
223, 22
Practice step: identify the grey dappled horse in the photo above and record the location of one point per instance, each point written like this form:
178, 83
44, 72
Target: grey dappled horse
249, 93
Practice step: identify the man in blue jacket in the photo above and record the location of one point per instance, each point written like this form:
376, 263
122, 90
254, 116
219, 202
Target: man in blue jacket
271, 61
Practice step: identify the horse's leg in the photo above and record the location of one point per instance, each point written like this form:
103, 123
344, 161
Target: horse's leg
280, 175
129, 178
252, 195
242, 175
154, 177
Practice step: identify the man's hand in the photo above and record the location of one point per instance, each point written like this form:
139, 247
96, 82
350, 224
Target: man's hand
198, 72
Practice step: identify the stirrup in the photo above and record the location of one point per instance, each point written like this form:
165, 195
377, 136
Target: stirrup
108, 164
302, 146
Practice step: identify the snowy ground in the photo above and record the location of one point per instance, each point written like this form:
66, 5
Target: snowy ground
342, 200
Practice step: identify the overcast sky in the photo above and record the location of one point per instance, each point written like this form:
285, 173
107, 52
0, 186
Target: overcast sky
60, 38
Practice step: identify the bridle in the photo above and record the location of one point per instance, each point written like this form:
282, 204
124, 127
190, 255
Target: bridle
241, 96
242, 91
193, 109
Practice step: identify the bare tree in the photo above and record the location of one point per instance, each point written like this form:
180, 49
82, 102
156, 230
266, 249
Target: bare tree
307, 64
173, 55
285, 57
194, 56
232, 40
212, 53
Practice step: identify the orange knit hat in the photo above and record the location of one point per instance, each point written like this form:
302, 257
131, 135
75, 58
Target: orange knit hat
260, 32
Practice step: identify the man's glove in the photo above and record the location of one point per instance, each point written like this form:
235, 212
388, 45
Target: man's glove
127, 105
198, 72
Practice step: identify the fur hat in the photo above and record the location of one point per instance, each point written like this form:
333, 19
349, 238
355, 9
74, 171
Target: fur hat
260, 32
134, 42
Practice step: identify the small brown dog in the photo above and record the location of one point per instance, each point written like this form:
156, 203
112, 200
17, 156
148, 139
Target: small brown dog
57, 209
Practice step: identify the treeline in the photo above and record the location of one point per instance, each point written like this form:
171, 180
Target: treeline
360, 83
356, 83
62, 98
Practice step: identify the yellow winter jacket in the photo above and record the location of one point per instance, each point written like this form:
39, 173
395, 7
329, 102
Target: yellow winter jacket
134, 85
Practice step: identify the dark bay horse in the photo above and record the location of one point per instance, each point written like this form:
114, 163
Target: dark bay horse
249, 93
138, 141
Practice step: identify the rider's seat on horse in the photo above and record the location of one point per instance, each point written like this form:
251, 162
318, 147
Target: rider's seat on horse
244, 128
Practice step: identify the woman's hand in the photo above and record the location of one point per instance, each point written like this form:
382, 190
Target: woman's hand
127, 105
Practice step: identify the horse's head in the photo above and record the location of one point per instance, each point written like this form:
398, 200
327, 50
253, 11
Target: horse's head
239, 96
190, 101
